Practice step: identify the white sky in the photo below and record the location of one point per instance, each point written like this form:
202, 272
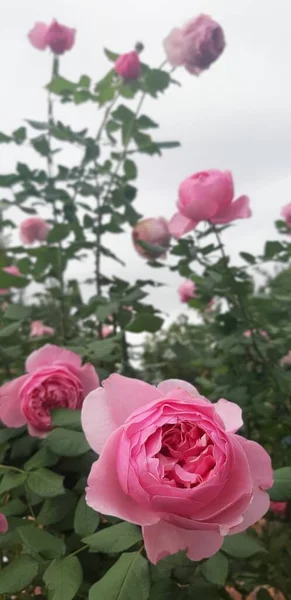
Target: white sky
235, 116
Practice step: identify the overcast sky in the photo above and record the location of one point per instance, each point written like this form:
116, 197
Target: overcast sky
235, 116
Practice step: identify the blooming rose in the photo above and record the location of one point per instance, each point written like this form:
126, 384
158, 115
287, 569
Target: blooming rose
38, 329
13, 270
279, 508
154, 232
286, 360
55, 378
128, 65
171, 462
3, 523
196, 45
286, 213
261, 332
187, 290
33, 229
55, 36
207, 195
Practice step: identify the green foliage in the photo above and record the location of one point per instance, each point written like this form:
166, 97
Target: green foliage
121, 582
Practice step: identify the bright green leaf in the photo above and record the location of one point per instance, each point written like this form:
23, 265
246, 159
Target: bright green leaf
116, 538
66, 442
128, 578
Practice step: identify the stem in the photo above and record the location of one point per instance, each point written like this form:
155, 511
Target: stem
10, 468
79, 550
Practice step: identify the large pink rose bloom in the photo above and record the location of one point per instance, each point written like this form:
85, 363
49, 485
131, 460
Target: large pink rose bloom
55, 378
196, 45
207, 196
155, 232
33, 229
171, 462
55, 36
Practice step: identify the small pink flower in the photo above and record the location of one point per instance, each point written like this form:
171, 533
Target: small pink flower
207, 196
128, 65
170, 461
33, 229
13, 270
3, 523
279, 508
261, 332
55, 36
55, 378
38, 329
37, 591
286, 213
187, 290
196, 45
107, 330
286, 360
154, 232
210, 306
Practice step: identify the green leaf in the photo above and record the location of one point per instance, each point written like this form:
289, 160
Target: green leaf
156, 81
41, 542
41, 125
86, 519
281, 489
18, 575
130, 169
105, 310
10, 329
46, 483
58, 233
165, 590
272, 248
215, 569
17, 312
66, 417
19, 135
167, 145
145, 322
63, 578
43, 458
41, 145
8, 280
66, 442
248, 257
102, 348
59, 85
242, 546
14, 507
84, 81
127, 578
4, 138
144, 122
111, 55
11, 480
55, 509
116, 538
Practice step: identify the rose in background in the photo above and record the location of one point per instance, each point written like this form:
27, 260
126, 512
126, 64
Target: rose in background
260, 332
33, 229
55, 378
207, 196
286, 213
38, 329
279, 508
13, 270
3, 523
286, 360
128, 65
196, 45
155, 233
55, 36
187, 290
171, 462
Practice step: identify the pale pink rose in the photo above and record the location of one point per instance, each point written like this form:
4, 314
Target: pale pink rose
187, 290
207, 196
128, 65
55, 378
171, 462
261, 332
3, 523
13, 270
154, 232
33, 229
196, 45
279, 508
107, 330
286, 213
37, 591
286, 360
55, 36
38, 329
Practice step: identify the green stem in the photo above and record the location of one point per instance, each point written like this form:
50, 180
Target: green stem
79, 550
10, 468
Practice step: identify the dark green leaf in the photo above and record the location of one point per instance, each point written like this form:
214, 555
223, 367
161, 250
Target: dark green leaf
66, 442
55, 509
58, 233
63, 578
37, 124
14, 507
111, 55
18, 575
113, 539
130, 169
41, 542
60, 85
215, 569
10, 329
241, 546
43, 458
66, 417
248, 257
127, 578
17, 312
11, 480
156, 81
145, 322
86, 519
46, 483
281, 489
41, 145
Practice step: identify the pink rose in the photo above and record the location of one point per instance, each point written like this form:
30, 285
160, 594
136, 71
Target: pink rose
38, 329
128, 65
3, 523
55, 36
286, 360
55, 379
279, 508
13, 270
207, 196
187, 290
170, 461
261, 332
154, 232
33, 229
196, 45
286, 213
107, 330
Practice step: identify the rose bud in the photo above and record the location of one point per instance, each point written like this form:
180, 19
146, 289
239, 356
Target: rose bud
155, 233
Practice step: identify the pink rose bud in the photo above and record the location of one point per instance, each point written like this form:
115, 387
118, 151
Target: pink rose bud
13, 270
261, 332
196, 45
154, 232
171, 462
55, 378
3, 523
279, 508
128, 65
33, 229
286, 213
207, 196
38, 329
106, 331
55, 36
187, 290
286, 360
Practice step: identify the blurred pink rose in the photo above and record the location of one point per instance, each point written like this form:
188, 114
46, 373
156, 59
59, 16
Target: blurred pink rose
154, 232
207, 196
13, 270
3, 523
107, 330
286, 360
128, 65
37, 329
279, 508
37, 591
210, 306
286, 213
170, 461
55, 379
196, 45
55, 36
187, 290
261, 332
33, 229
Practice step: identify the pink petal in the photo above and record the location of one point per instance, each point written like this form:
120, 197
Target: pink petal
3, 523
239, 209
259, 462
88, 378
164, 538
37, 36
173, 45
258, 508
172, 384
230, 413
179, 225
10, 409
71, 36
104, 492
49, 354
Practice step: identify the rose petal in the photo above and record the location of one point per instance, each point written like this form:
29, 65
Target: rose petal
10, 408
259, 462
173, 45
88, 378
230, 413
171, 384
179, 225
37, 36
258, 508
49, 354
239, 209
